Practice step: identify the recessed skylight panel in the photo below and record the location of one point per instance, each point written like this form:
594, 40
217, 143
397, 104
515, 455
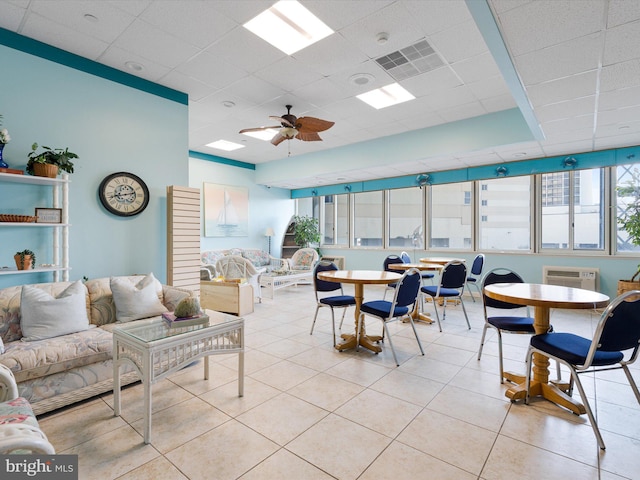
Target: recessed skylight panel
288, 26
391, 94
225, 145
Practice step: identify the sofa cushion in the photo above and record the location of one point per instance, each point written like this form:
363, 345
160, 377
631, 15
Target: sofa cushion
30, 360
136, 300
259, 258
46, 316
210, 257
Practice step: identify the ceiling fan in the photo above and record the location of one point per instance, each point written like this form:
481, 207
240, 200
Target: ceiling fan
303, 128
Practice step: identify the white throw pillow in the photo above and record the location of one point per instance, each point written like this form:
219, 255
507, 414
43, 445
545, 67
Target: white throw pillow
43, 316
1, 346
136, 301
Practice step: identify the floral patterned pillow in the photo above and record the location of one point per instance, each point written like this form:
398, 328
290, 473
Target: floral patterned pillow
258, 257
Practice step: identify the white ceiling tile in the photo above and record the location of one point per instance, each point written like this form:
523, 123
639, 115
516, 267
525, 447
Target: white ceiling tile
12, 16
499, 103
441, 79
322, 56
134, 7
567, 147
459, 42
117, 58
289, 74
205, 68
537, 25
620, 98
502, 6
617, 141
438, 15
321, 92
566, 88
200, 24
476, 68
618, 129
489, 87
254, 89
569, 109
622, 11
569, 58
450, 98
338, 14
195, 88
461, 112
620, 115
152, 43
622, 43
620, 75
63, 37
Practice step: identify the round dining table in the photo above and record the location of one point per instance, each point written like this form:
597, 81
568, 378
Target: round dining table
417, 315
440, 260
359, 278
543, 298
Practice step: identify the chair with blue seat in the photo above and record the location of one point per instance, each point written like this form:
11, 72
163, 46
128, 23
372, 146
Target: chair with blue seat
406, 258
387, 266
476, 272
451, 287
403, 304
493, 318
322, 288
616, 341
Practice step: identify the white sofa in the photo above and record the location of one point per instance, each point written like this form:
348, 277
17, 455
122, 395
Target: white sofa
57, 371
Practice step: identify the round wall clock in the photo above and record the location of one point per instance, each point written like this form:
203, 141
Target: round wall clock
123, 194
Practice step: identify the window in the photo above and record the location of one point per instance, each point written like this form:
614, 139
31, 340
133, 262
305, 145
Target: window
450, 218
627, 193
335, 219
367, 219
572, 213
405, 218
467, 198
508, 206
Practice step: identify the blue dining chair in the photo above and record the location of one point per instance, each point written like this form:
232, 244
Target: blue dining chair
616, 341
387, 266
452, 280
476, 272
403, 304
406, 258
322, 288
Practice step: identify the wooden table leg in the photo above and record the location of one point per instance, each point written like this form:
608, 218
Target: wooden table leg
366, 341
540, 386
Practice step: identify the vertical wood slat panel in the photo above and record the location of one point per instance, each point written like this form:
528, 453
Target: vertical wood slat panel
183, 234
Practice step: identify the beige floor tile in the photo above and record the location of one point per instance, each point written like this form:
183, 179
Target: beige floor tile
111, 455
339, 447
408, 387
282, 465
226, 399
284, 375
450, 440
254, 360
514, 459
157, 469
319, 359
400, 461
380, 412
485, 383
358, 371
621, 457
326, 391
471, 407
619, 419
429, 368
192, 379
224, 453
282, 418
285, 348
80, 424
447, 354
180, 423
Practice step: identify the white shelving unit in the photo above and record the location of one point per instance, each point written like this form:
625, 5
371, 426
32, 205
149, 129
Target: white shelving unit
60, 231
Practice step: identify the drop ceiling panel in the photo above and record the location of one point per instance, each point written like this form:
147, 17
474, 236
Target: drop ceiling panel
563, 89
118, 58
620, 75
207, 69
499, 103
438, 15
622, 43
622, 11
323, 58
289, 74
12, 16
459, 42
572, 108
476, 68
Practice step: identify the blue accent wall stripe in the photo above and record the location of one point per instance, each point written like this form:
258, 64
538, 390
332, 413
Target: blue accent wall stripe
54, 54
223, 160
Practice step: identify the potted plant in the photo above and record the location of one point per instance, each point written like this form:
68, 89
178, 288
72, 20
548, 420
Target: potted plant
25, 260
629, 221
49, 161
306, 230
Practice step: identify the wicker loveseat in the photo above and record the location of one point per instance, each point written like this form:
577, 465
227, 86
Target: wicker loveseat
260, 259
57, 371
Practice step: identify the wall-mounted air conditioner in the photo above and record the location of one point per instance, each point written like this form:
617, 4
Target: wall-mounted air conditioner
576, 277
339, 261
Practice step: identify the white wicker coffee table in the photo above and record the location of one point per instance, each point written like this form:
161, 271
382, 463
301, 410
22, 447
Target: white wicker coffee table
156, 350
273, 281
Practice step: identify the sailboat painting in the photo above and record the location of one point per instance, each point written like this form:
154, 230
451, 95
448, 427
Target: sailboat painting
226, 211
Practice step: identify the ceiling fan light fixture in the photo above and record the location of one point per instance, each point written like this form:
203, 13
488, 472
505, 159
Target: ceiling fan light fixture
288, 132
386, 96
288, 26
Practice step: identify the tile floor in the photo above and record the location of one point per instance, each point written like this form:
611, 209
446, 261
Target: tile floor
311, 412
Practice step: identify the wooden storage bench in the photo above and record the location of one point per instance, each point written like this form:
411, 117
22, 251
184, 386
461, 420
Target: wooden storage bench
227, 297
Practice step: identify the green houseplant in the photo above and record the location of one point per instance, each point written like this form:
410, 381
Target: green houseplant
629, 221
47, 162
306, 230
25, 260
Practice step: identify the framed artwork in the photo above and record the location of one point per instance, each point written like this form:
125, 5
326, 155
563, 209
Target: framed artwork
48, 215
226, 211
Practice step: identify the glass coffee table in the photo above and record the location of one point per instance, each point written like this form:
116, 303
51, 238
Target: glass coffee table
157, 350
275, 280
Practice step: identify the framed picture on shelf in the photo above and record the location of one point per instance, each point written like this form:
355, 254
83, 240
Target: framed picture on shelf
48, 215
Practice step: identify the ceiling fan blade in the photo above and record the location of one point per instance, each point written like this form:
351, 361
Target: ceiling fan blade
312, 124
278, 139
308, 136
258, 129
282, 120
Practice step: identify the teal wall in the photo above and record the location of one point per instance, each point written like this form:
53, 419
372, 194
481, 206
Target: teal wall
268, 207
112, 127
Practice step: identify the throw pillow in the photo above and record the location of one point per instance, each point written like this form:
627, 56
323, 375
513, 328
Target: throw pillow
45, 316
1, 346
134, 302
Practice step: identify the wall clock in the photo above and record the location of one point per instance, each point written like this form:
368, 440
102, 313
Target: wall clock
123, 194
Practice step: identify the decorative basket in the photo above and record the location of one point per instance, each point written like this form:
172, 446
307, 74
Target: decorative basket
626, 285
45, 170
5, 217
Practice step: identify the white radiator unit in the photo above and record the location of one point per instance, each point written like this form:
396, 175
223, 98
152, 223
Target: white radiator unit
339, 261
576, 277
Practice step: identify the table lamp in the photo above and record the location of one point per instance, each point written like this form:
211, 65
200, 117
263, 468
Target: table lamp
269, 233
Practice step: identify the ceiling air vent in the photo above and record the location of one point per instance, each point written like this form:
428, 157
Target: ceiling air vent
411, 61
